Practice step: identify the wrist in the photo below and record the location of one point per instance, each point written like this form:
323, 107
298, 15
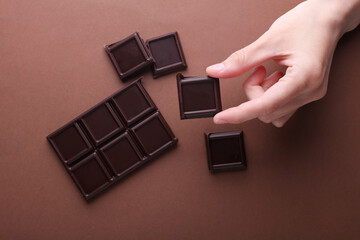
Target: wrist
342, 15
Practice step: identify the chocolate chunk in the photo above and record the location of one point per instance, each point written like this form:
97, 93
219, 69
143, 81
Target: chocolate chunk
129, 56
112, 139
199, 97
167, 53
225, 151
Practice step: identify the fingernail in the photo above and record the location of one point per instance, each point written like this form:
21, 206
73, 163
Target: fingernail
220, 121
217, 67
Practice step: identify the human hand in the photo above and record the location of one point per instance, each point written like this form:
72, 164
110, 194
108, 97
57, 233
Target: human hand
303, 40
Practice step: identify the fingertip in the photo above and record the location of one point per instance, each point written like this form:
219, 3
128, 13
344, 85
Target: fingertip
280, 73
218, 120
236, 115
272, 79
259, 68
277, 75
258, 75
215, 70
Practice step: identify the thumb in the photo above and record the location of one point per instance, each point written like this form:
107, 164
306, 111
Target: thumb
242, 60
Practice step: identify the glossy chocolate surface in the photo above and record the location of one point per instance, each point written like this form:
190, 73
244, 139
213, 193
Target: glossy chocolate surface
129, 56
199, 97
167, 53
225, 151
90, 175
101, 123
133, 103
70, 143
112, 139
153, 134
121, 154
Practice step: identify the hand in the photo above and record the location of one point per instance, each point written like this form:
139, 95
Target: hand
303, 40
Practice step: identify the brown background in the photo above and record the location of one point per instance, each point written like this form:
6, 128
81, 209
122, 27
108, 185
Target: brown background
302, 181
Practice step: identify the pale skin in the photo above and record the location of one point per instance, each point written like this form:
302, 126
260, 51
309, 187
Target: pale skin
303, 40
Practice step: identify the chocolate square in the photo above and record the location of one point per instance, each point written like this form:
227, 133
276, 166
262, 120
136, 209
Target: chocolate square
70, 143
90, 175
101, 123
153, 134
133, 103
129, 56
121, 154
225, 151
199, 97
167, 53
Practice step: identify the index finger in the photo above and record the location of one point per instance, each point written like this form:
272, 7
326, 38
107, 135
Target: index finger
242, 60
275, 97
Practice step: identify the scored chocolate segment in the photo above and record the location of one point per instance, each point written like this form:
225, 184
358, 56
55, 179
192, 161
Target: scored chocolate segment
153, 134
90, 175
199, 97
167, 53
129, 56
70, 143
101, 123
133, 103
121, 154
225, 151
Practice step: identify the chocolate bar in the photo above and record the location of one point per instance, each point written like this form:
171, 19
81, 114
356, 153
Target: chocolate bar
199, 97
225, 151
112, 139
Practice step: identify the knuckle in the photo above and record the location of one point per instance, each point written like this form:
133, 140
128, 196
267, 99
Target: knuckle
239, 57
313, 83
265, 118
314, 76
245, 86
278, 123
319, 93
269, 109
267, 112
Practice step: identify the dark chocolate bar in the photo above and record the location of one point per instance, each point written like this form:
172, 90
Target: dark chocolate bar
167, 53
199, 97
112, 139
225, 151
129, 56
